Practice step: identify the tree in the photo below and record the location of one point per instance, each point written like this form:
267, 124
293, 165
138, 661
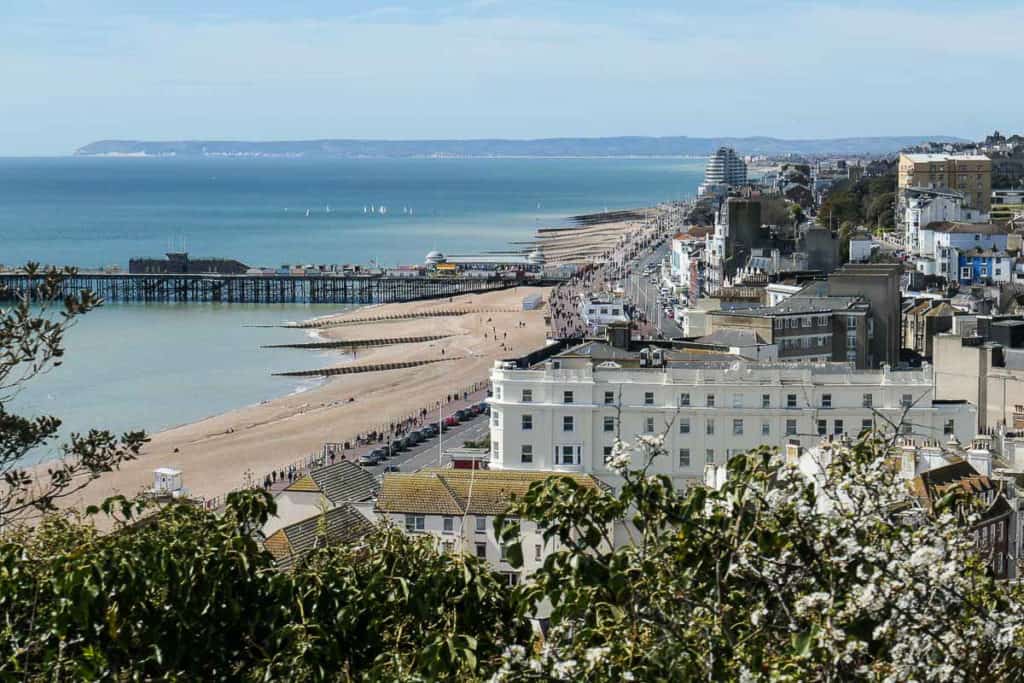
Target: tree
881, 210
32, 332
186, 594
796, 214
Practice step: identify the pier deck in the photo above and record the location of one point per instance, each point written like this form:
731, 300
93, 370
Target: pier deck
254, 289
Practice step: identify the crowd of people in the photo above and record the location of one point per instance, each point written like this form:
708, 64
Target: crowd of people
615, 264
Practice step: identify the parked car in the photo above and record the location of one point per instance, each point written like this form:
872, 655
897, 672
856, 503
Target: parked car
413, 438
366, 460
378, 454
451, 421
465, 414
397, 446
392, 468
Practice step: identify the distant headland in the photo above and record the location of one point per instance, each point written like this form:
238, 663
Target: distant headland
679, 146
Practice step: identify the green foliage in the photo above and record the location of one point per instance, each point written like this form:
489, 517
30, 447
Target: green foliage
869, 201
186, 594
32, 333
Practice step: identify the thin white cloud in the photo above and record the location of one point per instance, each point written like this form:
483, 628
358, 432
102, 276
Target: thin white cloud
819, 71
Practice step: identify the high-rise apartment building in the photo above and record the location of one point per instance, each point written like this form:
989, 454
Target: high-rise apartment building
725, 169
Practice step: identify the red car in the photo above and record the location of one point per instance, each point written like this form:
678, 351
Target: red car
451, 421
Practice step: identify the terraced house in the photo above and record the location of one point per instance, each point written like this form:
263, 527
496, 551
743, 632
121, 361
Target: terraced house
458, 508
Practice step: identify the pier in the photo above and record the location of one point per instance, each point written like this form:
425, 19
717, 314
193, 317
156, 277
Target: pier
254, 289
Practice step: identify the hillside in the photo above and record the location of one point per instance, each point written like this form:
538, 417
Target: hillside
547, 147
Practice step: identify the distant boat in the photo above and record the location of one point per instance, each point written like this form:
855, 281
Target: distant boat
307, 213
364, 209
327, 209
373, 209
383, 210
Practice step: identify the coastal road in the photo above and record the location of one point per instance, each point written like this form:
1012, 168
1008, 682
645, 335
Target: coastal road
645, 295
425, 454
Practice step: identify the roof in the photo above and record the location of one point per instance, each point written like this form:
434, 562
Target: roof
932, 485
342, 524
454, 492
600, 351
925, 158
797, 304
342, 482
731, 338
968, 228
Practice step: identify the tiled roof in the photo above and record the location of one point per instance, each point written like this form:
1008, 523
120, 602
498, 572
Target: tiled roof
342, 524
341, 482
461, 492
418, 492
931, 485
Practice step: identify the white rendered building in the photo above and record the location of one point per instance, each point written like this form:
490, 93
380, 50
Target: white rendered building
566, 414
597, 311
926, 206
724, 168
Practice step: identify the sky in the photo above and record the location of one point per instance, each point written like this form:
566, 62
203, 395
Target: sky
76, 71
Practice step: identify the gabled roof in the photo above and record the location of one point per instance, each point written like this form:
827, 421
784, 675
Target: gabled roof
463, 492
932, 485
342, 524
342, 482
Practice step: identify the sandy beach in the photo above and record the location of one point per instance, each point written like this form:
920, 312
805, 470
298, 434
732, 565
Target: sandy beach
214, 454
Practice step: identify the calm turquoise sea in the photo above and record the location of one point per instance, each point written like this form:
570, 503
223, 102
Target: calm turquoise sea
155, 366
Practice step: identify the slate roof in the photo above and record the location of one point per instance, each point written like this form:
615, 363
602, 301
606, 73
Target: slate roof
342, 482
461, 492
343, 524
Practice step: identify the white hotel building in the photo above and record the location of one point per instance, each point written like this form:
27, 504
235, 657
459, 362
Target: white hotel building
566, 414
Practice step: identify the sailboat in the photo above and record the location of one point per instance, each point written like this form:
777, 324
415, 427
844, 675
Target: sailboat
383, 210
327, 209
373, 209
307, 213
364, 209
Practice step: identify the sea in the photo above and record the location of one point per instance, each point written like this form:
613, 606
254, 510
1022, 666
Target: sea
153, 366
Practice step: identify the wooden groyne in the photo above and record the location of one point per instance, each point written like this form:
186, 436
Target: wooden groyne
356, 343
357, 369
255, 289
393, 317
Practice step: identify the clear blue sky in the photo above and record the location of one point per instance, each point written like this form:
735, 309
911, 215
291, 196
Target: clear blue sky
74, 71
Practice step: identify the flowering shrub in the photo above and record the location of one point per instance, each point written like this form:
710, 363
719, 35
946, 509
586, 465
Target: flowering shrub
773, 576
